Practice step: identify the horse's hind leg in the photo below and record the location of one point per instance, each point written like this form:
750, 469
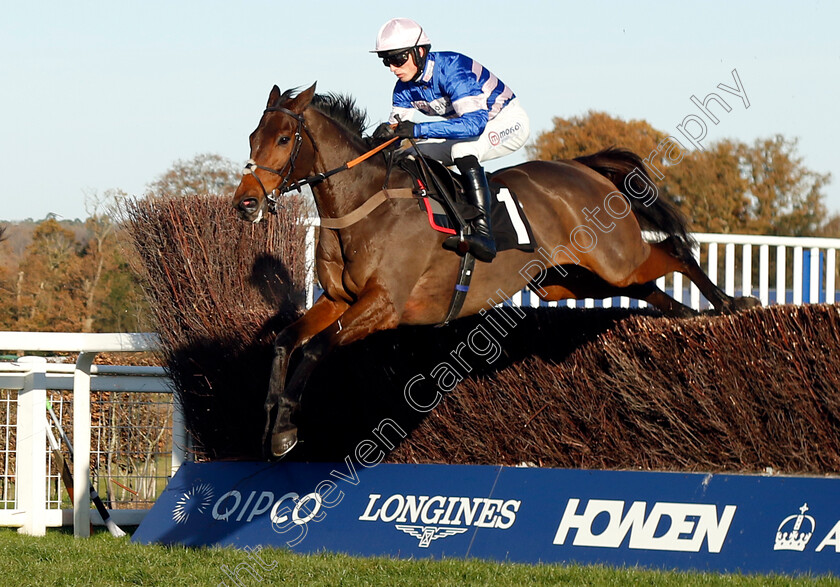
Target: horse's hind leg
579, 283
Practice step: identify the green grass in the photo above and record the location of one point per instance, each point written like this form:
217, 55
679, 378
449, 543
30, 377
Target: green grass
59, 559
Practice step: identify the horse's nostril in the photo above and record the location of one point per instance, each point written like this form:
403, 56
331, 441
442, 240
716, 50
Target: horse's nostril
248, 204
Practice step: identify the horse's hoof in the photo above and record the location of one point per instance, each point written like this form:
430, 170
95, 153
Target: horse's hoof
740, 304
684, 312
283, 442
747, 302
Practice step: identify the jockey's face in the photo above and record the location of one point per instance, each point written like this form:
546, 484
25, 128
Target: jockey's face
408, 70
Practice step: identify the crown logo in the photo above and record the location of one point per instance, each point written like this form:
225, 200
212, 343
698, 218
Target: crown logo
791, 535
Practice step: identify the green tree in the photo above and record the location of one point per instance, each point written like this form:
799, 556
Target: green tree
120, 307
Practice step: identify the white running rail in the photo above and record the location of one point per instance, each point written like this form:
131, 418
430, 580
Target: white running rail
775, 269
32, 377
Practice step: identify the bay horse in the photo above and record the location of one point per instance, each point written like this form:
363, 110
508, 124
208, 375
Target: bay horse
387, 267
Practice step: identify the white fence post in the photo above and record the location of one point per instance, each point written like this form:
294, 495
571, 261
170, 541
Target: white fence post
81, 442
678, 287
30, 478
781, 287
819, 271
797, 275
694, 291
712, 263
764, 277
180, 437
746, 270
309, 272
729, 269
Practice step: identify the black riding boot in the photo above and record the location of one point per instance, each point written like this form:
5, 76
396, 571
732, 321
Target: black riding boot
479, 238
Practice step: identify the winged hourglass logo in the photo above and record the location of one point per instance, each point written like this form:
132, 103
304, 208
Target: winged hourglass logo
428, 533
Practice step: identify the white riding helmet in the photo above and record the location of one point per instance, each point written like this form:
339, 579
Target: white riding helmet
400, 33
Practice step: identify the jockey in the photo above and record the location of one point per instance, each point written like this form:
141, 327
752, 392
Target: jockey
483, 118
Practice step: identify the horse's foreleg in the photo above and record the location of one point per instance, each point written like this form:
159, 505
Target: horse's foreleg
323, 313
664, 256
657, 298
664, 259
723, 303
372, 312
284, 431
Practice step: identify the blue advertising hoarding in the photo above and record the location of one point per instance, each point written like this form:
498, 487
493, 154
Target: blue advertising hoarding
726, 523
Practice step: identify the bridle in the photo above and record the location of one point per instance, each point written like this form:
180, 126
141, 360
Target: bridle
289, 168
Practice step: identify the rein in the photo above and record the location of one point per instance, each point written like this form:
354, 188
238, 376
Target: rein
289, 168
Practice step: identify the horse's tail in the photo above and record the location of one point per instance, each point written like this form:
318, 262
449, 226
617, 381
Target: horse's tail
661, 215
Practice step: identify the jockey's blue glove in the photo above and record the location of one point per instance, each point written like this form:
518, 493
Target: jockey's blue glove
405, 129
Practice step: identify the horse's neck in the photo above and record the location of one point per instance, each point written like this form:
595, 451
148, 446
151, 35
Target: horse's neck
347, 190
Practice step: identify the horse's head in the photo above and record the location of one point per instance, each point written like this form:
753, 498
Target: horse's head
278, 154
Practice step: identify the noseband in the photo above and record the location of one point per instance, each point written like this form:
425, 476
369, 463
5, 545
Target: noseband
289, 168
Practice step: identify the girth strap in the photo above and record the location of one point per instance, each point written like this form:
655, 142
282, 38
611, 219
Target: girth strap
462, 288
369, 206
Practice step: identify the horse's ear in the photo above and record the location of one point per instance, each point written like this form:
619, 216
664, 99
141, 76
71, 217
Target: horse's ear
273, 97
302, 100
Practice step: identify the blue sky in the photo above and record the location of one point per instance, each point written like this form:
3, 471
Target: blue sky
100, 95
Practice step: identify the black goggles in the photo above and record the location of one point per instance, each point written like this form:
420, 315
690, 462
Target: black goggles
396, 59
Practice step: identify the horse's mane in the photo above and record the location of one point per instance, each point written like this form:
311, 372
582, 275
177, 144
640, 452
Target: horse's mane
342, 109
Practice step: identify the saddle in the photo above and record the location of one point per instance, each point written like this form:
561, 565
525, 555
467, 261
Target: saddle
442, 198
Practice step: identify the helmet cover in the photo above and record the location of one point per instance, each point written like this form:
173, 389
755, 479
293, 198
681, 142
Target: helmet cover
400, 33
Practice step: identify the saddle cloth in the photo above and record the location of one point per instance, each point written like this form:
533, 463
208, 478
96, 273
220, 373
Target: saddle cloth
510, 226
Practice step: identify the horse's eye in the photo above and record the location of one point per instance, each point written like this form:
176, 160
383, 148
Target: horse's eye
283, 141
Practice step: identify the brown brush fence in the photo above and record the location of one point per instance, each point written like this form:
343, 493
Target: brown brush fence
218, 289
602, 388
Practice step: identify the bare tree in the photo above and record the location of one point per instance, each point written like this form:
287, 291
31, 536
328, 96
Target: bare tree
101, 228
207, 173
